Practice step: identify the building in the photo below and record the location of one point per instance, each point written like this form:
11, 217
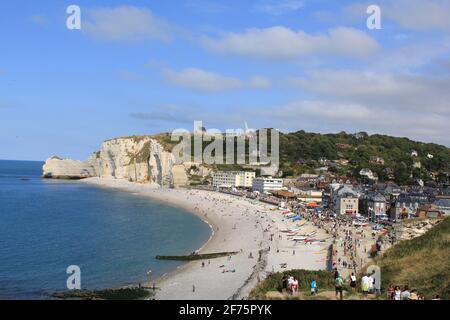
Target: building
391, 192
308, 177
264, 185
373, 205
245, 179
233, 179
377, 160
443, 205
390, 173
406, 205
283, 194
344, 199
347, 204
428, 211
345, 180
365, 172
310, 196
342, 162
417, 164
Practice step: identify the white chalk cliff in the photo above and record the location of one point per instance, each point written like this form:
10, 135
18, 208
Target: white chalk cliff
136, 159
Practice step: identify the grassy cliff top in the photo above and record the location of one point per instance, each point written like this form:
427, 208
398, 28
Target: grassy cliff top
163, 138
422, 263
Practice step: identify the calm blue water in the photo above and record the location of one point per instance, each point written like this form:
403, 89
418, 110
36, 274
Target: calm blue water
47, 225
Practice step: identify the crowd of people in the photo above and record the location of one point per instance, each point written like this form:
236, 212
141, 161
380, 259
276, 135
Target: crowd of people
368, 286
290, 285
398, 293
350, 254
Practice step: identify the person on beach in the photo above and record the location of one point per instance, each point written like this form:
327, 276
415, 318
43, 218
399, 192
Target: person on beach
397, 293
284, 284
406, 294
371, 284
390, 292
295, 286
414, 295
353, 282
290, 283
339, 285
313, 287
365, 285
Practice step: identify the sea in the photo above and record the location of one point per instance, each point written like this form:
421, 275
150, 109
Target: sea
112, 236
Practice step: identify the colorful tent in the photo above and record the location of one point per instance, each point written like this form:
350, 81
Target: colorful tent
312, 204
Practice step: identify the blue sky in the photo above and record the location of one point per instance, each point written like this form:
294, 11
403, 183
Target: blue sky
141, 67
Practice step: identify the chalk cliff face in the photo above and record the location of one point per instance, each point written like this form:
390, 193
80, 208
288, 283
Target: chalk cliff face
136, 159
57, 168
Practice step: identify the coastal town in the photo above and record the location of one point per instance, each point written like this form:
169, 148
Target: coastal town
362, 216
270, 225
339, 217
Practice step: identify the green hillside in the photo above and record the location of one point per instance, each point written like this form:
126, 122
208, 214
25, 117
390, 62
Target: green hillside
301, 150
422, 263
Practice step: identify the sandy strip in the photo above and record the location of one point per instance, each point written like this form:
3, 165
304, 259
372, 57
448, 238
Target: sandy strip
239, 224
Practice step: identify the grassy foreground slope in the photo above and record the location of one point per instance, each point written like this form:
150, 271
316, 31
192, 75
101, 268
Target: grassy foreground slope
422, 263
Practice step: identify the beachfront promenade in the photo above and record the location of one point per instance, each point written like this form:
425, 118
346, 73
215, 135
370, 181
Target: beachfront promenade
351, 244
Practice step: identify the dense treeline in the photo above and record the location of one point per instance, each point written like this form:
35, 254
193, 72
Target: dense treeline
301, 152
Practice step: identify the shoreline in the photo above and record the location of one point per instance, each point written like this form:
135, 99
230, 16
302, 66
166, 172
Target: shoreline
247, 226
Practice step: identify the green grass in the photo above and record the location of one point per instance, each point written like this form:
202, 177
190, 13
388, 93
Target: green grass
422, 263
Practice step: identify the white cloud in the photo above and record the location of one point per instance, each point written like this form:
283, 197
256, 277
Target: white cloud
200, 80
280, 7
412, 105
380, 90
315, 110
260, 82
418, 15
326, 116
125, 23
283, 43
412, 56
421, 15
